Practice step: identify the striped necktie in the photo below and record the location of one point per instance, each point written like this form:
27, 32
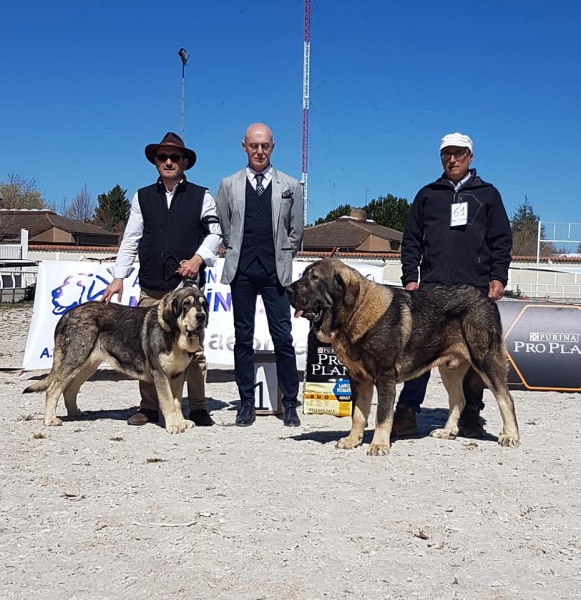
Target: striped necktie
259, 186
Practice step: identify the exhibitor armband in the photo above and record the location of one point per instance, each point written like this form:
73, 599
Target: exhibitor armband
211, 225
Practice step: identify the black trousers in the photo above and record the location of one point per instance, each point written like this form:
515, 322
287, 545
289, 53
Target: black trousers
246, 287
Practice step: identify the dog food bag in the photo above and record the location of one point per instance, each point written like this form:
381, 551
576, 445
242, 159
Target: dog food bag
327, 389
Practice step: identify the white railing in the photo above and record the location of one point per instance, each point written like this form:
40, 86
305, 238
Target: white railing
549, 291
11, 251
17, 277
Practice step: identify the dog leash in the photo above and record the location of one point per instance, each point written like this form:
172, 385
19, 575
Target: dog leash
190, 281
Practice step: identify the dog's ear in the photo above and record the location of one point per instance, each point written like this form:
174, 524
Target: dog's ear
176, 307
349, 284
166, 312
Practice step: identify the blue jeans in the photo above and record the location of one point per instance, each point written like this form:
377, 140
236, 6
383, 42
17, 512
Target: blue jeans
414, 391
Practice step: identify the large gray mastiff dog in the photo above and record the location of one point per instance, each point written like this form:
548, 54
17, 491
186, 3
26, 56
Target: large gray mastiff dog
150, 344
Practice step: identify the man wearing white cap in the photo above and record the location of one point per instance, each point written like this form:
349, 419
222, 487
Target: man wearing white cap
457, 232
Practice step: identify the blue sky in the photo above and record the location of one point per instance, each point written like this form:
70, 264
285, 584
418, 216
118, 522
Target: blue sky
87, 85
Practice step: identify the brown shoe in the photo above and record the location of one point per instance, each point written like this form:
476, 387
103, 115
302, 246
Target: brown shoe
143, 416
404, 421
201, 417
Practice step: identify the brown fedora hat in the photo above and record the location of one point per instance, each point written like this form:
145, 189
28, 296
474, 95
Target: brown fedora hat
171, 139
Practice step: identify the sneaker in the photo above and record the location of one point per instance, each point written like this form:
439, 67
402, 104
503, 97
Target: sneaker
404, 421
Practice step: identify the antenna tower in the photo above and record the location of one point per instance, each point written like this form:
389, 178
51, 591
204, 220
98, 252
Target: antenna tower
306, 75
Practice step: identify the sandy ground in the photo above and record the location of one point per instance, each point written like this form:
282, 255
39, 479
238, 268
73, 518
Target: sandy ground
99, 510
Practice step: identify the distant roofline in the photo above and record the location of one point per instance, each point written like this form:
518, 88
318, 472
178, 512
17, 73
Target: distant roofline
306, 254
28, 210
350, 218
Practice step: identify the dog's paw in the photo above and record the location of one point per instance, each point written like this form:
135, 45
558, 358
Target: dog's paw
378, 449
179, 427
52, 422
510, 441
444, 434
348, 443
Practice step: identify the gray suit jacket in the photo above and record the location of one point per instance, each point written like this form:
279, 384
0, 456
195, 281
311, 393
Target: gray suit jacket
287, 221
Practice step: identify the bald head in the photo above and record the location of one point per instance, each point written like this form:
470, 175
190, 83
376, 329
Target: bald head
258, 128
258, 145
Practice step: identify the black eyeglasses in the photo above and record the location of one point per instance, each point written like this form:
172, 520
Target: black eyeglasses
173, 157
457, 155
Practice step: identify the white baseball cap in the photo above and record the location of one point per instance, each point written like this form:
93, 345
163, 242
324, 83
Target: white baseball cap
456, 139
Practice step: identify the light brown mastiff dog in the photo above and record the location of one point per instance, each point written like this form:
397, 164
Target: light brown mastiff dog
386, 335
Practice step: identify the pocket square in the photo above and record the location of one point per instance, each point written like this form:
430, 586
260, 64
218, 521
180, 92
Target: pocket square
287, 194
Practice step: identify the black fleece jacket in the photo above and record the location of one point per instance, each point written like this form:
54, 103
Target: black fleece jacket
474, 254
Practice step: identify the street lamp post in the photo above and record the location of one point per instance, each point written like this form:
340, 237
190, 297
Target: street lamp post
184, 58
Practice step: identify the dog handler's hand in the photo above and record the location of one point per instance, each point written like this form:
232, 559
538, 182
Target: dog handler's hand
495, 290
190, 268
412, 285
115, 287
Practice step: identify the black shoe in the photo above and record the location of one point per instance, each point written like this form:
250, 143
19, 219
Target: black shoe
201, 418
246, 415
471, 424
143, 416
290, 418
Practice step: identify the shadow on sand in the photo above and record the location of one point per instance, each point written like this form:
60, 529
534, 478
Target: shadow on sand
428, 420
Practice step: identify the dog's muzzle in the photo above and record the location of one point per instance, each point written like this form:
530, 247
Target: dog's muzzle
199, 326
313, 315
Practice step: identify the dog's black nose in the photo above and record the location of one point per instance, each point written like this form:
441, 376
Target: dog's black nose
200, 317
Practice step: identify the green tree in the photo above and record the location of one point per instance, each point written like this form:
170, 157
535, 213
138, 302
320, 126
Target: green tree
525, 232
112, 210
388, 211
16, 192
333, 215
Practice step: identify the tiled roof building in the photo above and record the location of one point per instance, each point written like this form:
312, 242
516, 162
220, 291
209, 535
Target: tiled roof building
46, 227
351, 234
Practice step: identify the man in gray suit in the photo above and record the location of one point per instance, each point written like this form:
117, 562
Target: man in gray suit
261, 213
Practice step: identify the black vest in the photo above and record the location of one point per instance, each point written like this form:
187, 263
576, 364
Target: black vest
258, 240
169, 236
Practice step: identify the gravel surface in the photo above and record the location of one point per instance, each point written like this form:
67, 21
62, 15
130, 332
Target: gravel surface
97, 510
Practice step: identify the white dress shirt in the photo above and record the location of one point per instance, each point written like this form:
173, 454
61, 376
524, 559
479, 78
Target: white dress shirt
134, 233
251, 175
458, 186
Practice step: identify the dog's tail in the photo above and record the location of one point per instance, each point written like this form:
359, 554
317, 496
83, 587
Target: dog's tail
39, 386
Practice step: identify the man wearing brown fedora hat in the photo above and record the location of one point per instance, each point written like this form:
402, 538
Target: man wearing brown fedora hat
174, 229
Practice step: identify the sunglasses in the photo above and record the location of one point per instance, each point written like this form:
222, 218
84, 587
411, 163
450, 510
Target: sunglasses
175, 158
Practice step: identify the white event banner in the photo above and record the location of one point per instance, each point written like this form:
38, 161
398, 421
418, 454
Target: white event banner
62, 285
